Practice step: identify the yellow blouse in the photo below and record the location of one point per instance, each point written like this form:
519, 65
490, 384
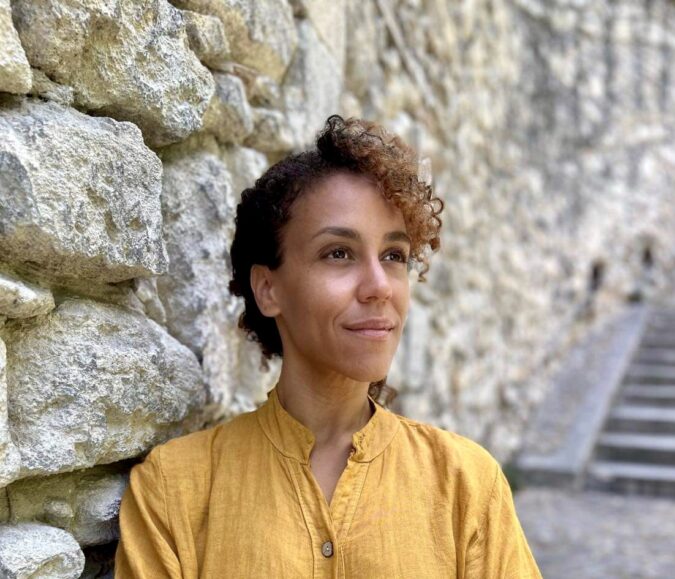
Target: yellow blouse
240, 500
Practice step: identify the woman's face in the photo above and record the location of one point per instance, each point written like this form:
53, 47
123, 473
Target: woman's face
341, 295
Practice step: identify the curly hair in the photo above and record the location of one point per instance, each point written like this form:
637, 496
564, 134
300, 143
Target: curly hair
355, 146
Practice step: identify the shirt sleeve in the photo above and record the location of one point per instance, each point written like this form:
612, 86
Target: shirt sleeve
499, 549
146, 549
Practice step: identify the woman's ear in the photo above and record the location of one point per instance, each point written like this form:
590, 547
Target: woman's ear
262, 285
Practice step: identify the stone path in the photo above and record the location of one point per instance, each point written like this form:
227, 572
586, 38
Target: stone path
596, 535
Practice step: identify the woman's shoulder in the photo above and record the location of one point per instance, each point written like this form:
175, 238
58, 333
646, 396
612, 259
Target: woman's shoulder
196, 450
447, 449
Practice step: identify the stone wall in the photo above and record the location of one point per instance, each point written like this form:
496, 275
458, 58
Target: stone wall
128, 130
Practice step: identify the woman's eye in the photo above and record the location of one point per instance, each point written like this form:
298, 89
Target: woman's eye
399, 256
337, 253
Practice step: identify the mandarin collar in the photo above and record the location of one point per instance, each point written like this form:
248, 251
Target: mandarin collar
294, 440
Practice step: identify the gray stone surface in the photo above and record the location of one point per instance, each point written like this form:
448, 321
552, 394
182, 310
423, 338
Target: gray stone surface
38, 551
79, 196
10, 459
329, 19
92, 383
261, 33
245, 166
22, 299
271, 133
597, 536
229, 116
198, 206
207, 39
559, 440
312, 86
124, 59
46, 88
15, 73
85, 502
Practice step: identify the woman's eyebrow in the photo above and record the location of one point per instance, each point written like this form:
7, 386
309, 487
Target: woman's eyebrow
353, 234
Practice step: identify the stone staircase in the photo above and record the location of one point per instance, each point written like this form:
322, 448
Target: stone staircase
635, 450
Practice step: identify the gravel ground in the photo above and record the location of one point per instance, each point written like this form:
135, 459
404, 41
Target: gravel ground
592, 535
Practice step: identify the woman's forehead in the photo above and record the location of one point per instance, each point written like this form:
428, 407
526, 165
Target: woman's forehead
346, 197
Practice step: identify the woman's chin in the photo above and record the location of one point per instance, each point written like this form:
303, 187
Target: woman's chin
370, 374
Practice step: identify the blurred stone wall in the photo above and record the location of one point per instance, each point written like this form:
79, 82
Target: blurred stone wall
128, 130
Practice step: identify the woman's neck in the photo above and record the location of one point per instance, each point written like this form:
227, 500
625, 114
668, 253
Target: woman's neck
332, 407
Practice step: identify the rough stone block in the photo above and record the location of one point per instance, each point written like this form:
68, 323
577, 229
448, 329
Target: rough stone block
245, 166
79, 195
92, 383
38, 551
46, 88
85, 502
10, 460
312, 86
22, 299
124, 59
198, 205
229, 117
15, 73
207, 39
329, 19
271, 132
261, 33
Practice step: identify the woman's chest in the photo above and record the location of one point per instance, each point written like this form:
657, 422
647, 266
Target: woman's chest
280, 525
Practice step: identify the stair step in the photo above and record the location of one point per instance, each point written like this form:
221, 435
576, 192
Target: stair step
637, 448
660, 325
644, 413
642, 419
658, 341
663, 323
651, 373
649, 395
632, 478
645, 441
658, 356
648, 385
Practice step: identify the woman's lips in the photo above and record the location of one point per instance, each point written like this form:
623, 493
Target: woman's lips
371, 333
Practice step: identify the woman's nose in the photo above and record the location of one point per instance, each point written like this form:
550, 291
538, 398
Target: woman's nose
375, 282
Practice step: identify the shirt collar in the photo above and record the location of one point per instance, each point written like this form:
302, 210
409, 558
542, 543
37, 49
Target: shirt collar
295, 440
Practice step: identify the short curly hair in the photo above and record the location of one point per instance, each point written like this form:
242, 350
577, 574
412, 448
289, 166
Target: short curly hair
356, 146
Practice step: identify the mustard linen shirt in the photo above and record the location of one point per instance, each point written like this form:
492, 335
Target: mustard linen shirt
240, 500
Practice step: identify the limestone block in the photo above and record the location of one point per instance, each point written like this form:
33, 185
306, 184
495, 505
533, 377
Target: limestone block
10, 460
46, 88
311, 87
22, 299
361, 67
93, 383
261, 33
229, 116
15, 73
4, 505
38, 551
271, 133
329, 19
198, 205
265, 92
207, 39
85, 502
79, 195
124, 59
245, 166
416, 339
146, 291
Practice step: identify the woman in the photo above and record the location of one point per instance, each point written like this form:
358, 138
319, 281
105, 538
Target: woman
322, 480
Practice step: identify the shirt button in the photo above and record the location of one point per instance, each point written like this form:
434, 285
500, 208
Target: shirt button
327, 549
